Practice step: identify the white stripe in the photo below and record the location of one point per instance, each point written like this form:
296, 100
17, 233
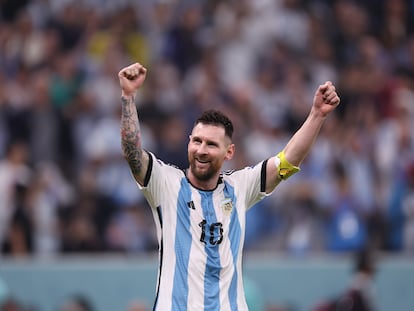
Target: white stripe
225, 252
169, 259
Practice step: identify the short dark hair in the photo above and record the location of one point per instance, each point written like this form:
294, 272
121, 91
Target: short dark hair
216, 117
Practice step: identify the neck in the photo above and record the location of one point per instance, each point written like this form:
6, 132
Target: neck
207, 185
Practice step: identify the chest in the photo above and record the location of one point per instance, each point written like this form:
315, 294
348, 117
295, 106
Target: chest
211, 206
207, 215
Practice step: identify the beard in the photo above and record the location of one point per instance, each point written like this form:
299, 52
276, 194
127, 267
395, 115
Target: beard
203, 174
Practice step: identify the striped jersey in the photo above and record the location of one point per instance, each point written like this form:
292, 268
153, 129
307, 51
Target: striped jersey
201, 236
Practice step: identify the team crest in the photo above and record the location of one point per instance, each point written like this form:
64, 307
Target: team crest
227, 206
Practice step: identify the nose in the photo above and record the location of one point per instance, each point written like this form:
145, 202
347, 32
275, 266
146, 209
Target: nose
202, 148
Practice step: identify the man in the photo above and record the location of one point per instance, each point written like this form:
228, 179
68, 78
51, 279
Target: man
200, 212
360, 294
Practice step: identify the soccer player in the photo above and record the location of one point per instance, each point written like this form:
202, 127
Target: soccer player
200, 212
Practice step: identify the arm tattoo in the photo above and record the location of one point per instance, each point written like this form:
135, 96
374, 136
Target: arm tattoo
131, 135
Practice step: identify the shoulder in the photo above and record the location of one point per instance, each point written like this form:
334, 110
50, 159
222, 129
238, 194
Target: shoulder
243, 171
242, 174
161, 167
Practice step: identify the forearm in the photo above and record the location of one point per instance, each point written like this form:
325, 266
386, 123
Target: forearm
300, 144
131, 136
288, 161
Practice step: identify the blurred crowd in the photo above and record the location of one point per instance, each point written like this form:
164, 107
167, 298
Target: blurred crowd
65, 186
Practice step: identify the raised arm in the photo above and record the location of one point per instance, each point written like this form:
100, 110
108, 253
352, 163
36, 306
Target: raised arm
130, 79
324, 102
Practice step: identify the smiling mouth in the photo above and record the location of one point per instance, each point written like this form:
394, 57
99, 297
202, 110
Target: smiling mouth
202, 162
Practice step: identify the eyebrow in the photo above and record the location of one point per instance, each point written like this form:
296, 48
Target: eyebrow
208, 141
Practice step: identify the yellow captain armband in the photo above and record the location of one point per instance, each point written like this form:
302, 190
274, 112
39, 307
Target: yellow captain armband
285, 169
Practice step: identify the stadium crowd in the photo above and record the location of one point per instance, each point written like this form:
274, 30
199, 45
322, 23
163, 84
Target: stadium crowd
65, 187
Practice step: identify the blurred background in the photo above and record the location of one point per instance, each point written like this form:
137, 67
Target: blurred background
68, 200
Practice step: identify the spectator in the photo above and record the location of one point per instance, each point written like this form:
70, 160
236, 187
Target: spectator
360, 293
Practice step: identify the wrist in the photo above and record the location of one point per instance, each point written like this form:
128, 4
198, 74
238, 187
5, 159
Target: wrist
128, 96
318, 115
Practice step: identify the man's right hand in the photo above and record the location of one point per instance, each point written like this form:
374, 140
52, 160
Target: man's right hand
131, 78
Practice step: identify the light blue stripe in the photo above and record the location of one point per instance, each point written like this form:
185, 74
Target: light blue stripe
213, 266
182, 249
234, 237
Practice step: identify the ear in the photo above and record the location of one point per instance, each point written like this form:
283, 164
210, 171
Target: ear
230, 152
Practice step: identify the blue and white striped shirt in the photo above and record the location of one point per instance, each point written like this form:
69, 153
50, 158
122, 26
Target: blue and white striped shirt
201, 236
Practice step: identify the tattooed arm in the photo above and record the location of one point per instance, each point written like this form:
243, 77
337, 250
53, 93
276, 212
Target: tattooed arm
130, 79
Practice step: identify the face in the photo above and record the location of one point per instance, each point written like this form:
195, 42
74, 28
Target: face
208, 148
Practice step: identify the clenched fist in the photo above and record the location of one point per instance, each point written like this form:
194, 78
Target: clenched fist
326, 98
131, 78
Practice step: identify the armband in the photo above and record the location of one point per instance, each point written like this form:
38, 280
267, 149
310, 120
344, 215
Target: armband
285, 169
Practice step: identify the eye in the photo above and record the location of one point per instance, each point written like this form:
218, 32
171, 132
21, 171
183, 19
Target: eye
196, 140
